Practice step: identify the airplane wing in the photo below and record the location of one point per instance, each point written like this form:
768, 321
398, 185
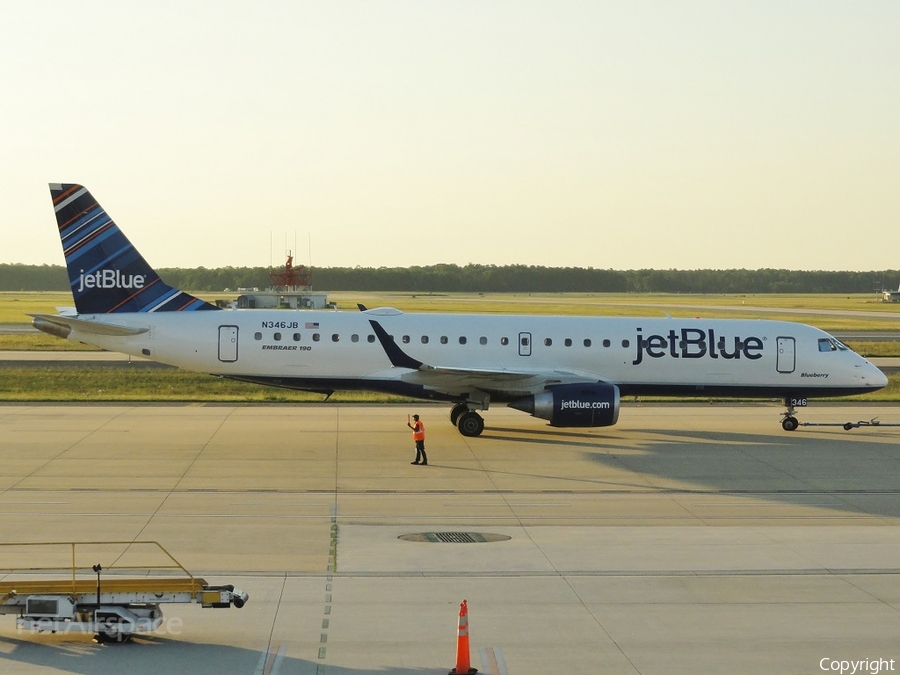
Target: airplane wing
56, 324
458, 380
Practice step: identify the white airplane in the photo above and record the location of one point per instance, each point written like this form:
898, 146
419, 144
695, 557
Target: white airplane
569, 370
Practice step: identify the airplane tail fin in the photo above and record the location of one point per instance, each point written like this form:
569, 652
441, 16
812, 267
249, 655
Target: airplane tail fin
106, 272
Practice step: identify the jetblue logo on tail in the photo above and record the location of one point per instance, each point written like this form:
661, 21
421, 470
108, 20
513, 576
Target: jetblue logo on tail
106, 272
109, 279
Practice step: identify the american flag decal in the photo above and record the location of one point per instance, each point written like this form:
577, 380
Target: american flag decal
312, 324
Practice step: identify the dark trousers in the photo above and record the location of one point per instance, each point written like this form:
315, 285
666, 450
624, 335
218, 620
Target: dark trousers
420, 452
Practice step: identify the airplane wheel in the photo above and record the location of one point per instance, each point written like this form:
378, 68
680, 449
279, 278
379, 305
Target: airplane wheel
790, 423
456, 411
470, 423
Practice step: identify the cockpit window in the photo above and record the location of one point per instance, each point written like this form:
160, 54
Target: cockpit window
831, 345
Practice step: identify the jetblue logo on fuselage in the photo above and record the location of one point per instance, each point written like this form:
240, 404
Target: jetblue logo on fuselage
696, 343
109, 279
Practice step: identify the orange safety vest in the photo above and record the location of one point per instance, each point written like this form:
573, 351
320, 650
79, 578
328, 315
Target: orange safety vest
419, 431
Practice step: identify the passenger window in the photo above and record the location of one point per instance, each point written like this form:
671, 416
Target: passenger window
296, 337
606, 343
354, 338
626, 344
316, 337
462, 339
370, 338
504, 341
482, 340
548, 342
277, 337
257, 336
335, 337
568, 342
444, 339
405, 339
424, 339
587, 342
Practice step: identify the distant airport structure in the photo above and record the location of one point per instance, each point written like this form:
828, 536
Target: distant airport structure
291, 289
890, 296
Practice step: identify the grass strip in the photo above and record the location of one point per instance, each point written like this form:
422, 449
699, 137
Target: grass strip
117, 383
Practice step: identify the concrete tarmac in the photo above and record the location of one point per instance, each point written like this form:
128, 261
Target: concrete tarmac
686, 539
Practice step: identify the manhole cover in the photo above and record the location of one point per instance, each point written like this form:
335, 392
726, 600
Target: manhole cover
454, 537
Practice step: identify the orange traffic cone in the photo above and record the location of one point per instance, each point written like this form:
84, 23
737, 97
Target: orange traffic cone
463, 666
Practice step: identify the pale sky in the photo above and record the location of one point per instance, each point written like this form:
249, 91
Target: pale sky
623, 134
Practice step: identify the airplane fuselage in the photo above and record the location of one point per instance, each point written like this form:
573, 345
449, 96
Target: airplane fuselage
330, 350
570, 371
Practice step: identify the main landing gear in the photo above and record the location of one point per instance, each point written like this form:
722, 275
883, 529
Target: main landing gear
456, 411
469, 422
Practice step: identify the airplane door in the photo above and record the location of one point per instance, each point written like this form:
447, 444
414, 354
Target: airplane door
228, 344
787, 360
524, 344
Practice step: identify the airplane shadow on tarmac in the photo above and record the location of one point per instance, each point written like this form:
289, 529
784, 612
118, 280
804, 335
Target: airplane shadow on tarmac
152, 654
851, 472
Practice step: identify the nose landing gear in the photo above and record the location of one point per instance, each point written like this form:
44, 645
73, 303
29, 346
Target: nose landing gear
788, 420
789, 423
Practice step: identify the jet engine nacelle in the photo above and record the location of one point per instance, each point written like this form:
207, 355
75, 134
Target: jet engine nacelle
574, 405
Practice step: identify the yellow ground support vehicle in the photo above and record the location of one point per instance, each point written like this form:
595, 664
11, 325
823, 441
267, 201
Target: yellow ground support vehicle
113, 601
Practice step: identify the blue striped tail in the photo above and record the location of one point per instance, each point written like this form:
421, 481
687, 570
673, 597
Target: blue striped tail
106, 272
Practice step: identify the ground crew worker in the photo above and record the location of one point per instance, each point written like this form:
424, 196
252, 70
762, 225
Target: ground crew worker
419, 437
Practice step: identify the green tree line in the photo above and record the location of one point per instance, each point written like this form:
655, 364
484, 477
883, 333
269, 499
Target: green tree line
493, 279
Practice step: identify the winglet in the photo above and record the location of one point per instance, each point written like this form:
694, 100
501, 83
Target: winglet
399, 358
